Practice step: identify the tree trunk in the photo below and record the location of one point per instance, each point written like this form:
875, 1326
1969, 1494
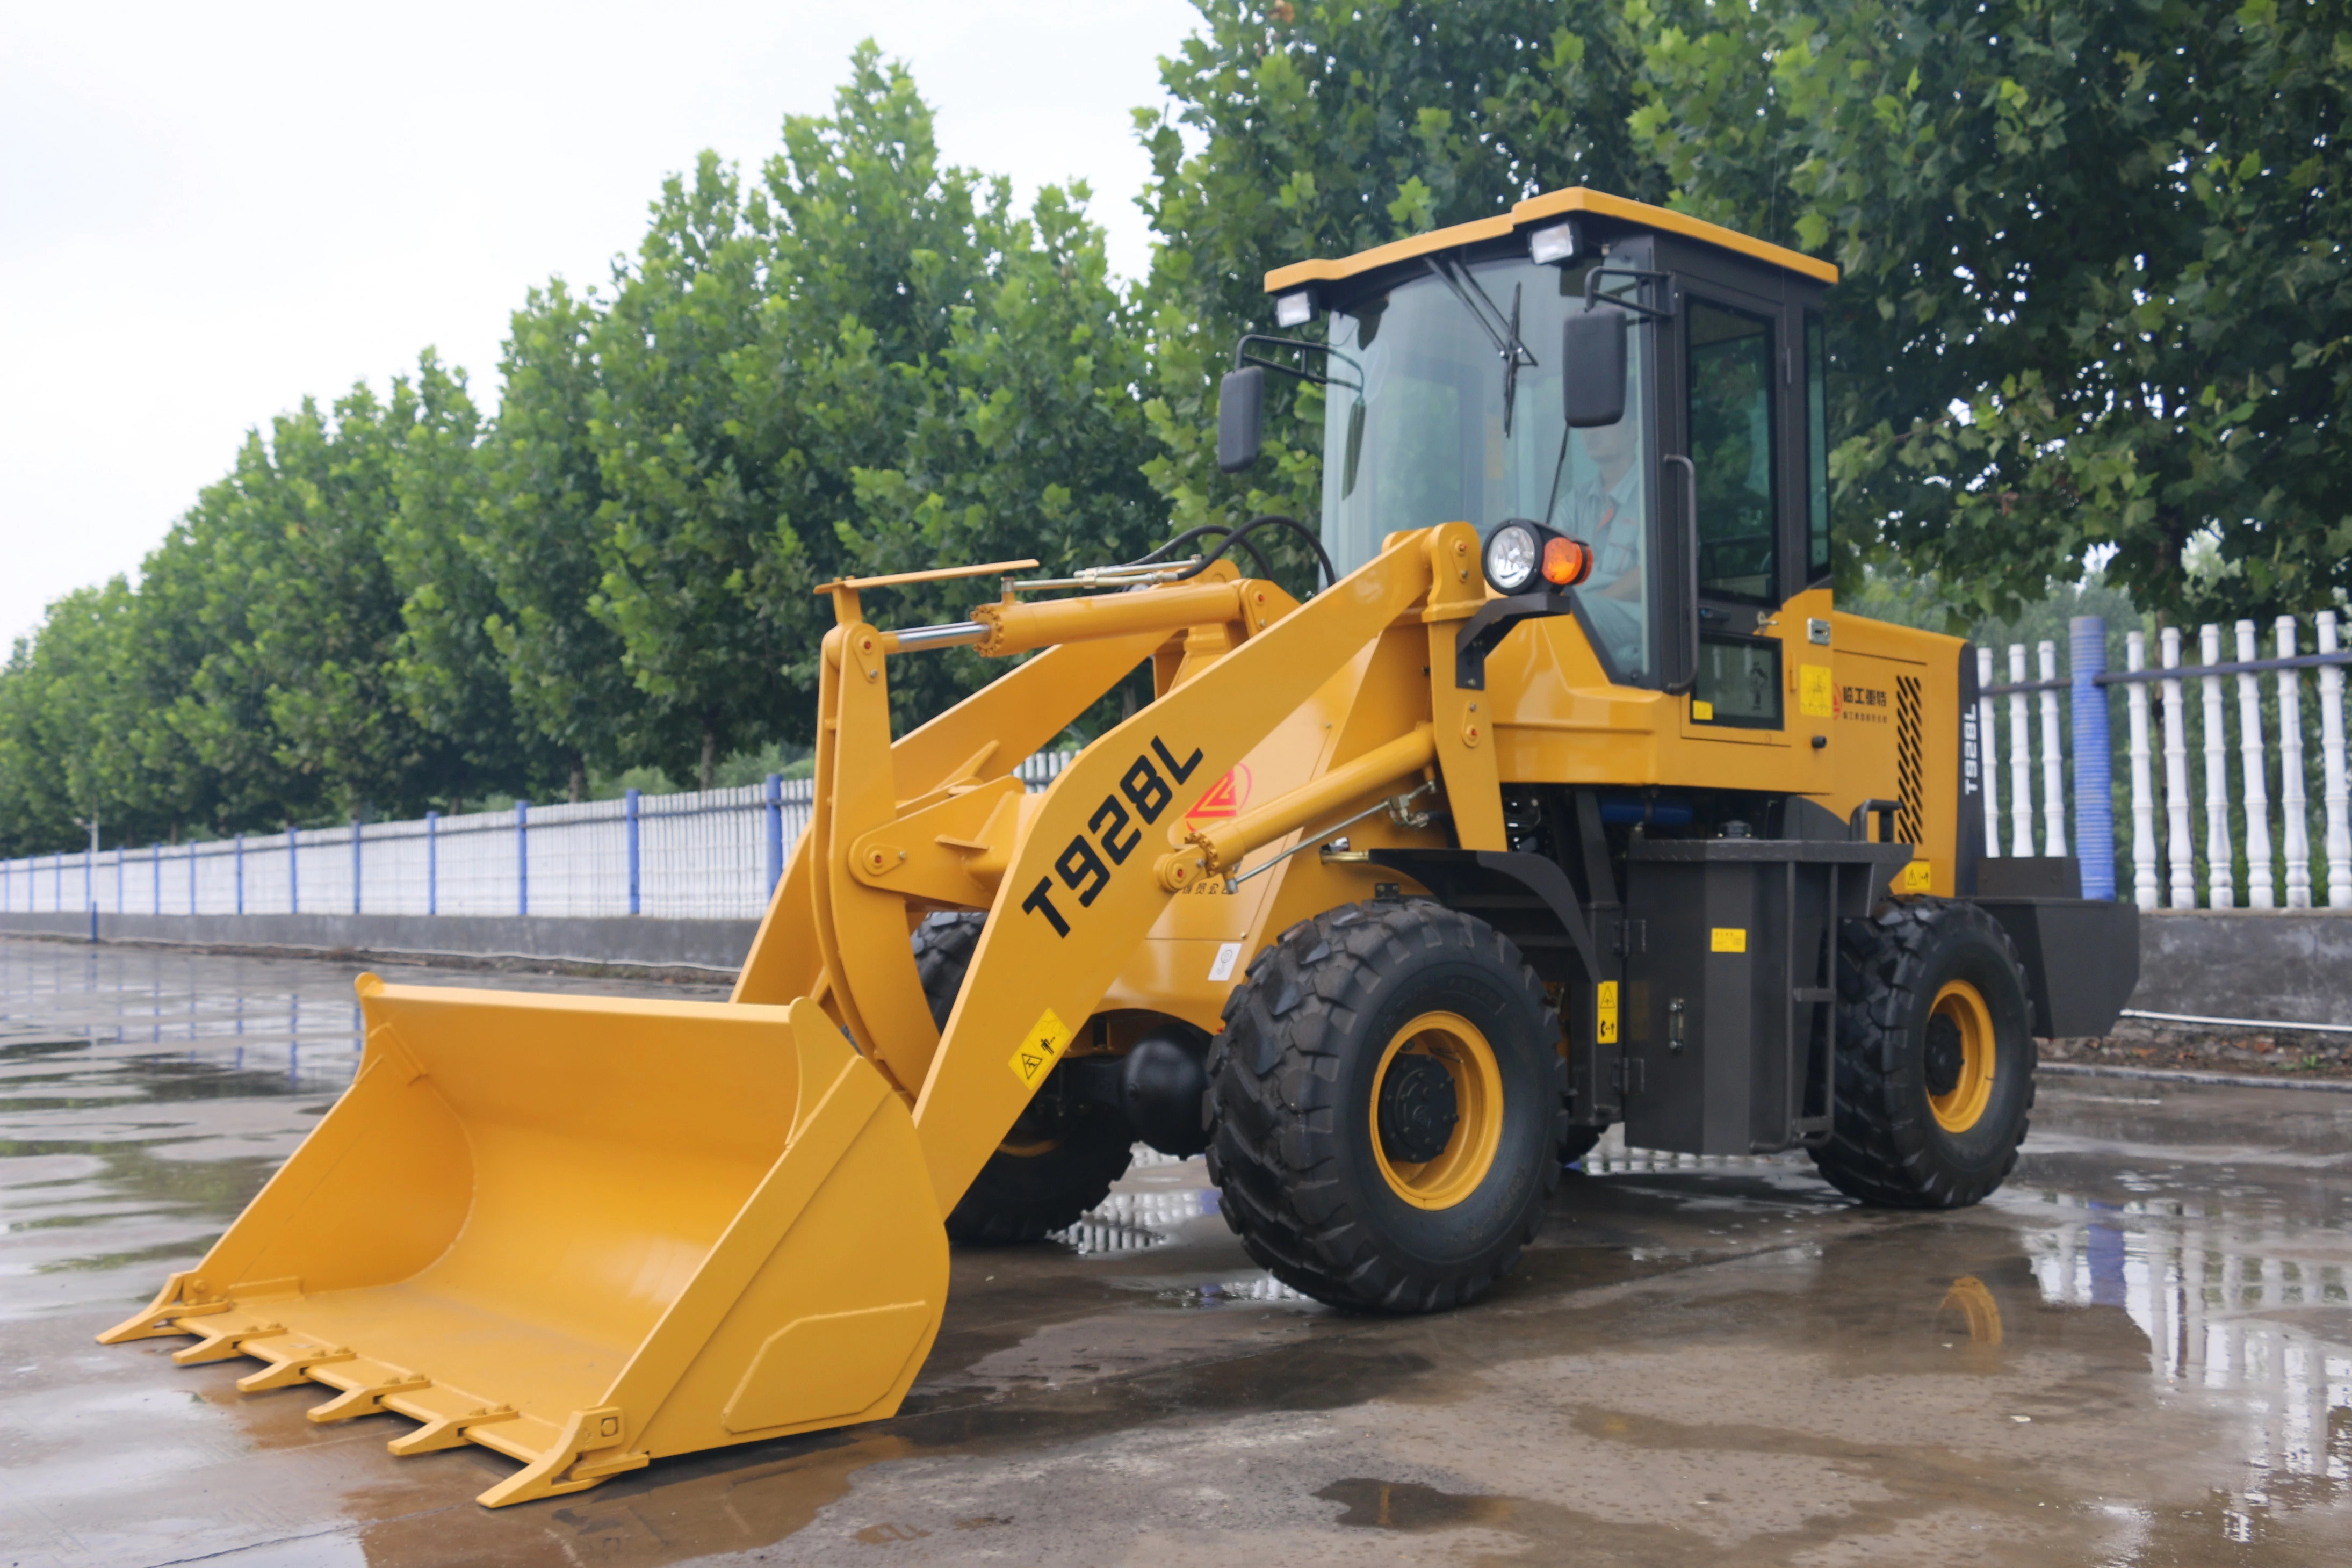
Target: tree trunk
579, 778
709, 755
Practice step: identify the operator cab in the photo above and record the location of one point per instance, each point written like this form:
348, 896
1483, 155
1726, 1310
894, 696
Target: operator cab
1468, 374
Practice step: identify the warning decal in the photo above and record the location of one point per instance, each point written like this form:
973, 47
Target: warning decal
1607, 1020
1729, 939
1814, 689
1043, 1048
1225, 798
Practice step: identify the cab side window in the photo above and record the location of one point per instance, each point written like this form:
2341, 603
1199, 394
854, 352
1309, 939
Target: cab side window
1732, 446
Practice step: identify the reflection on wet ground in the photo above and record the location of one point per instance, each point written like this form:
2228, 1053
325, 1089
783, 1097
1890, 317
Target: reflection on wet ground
2139, 1353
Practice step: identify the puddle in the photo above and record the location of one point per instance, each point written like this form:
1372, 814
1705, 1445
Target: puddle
2140, 1353
1408, 1505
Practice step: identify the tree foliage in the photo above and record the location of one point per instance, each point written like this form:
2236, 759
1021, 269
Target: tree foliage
2094, 314
2096, 302
1327, 128
859, 360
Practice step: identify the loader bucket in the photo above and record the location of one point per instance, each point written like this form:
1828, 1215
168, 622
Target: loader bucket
585, 1233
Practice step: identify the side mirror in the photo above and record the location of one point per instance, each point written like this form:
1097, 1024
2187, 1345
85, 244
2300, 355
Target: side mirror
1592, 367
1241, 418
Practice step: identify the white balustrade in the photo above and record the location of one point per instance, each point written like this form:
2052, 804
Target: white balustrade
2220, 887
2142, 788
2294, 829
711, 855
2053, 771
2180, 853
2259, 891
2020, 757
2332, 770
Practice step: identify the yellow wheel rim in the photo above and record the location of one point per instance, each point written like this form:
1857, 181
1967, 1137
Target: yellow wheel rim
1961, 1007
1455, 1172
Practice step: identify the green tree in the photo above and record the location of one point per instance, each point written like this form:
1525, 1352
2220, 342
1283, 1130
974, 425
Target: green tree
295, 703
538, 526
446, 666
2095, 300
64, 740
1030, 440
1323, 128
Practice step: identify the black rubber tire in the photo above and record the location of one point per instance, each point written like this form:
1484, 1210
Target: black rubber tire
1019, 1197
1885, 1145
1291, 1084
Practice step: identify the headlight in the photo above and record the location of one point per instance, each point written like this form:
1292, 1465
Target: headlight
1294, 310
1512, 555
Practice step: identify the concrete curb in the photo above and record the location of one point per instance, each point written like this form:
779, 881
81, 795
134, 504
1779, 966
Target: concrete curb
2181, 1076
711, 946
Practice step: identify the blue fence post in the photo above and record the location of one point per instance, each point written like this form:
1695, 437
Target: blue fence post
432, 863
293, 870
2094, 805
522, 858
775, 832
159, 879
240, 873
629, 815
356, 824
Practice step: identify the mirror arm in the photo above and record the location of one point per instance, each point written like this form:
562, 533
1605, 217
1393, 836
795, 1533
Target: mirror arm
1242, 356
1640, 275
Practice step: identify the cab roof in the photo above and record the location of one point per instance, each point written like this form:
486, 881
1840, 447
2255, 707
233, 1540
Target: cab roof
1534, 210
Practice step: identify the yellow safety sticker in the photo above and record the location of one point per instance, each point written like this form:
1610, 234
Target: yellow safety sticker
1918, 877
1701, 709
1606, 998
1730, 939
1041, 1050
1813, 691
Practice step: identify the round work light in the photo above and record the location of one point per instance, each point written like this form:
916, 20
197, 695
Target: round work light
1513, 555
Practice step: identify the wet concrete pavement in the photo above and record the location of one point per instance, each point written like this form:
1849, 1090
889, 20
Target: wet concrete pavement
2139, 1353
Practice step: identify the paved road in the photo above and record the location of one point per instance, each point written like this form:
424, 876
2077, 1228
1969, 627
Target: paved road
2139, 1353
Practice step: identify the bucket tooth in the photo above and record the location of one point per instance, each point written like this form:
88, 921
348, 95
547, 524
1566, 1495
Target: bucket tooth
286, 1371
225, 1343
366, 1400
593, 1448
449, 1431
183, 1296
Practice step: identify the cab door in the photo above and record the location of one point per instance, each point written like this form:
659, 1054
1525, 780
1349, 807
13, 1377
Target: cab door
1753, 595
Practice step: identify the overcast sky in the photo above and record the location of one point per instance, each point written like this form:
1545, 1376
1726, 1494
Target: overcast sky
208, 211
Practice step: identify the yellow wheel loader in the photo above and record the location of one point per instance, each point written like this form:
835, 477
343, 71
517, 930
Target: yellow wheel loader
1567, 799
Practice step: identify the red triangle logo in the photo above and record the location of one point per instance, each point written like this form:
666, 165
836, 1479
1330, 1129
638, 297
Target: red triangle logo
1225, 798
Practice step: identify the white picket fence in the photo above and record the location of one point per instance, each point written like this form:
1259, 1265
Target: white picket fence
711, 854
2236, 832
2192, 839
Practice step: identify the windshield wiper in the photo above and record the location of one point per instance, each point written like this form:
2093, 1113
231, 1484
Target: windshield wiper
1501, 330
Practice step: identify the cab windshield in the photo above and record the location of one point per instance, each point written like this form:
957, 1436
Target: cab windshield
1424, 423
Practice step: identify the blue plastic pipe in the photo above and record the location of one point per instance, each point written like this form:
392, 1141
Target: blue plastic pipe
775, 832
2095, 801
630, 815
